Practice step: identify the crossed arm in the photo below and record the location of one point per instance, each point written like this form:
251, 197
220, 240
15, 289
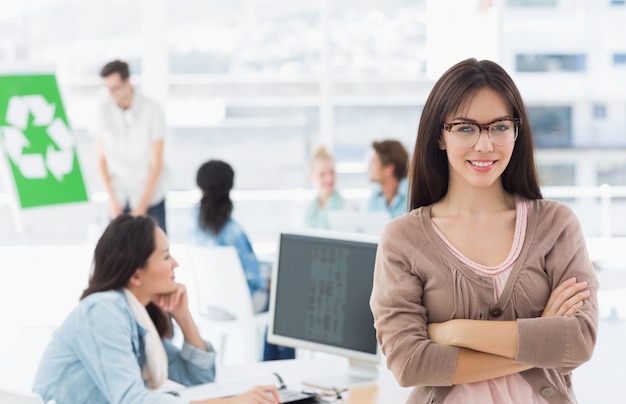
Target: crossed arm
488, 348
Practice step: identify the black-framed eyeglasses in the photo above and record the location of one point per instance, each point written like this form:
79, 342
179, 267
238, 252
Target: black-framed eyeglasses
465, 134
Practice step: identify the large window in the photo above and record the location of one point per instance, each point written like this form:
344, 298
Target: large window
535, 63
267, 146
551, 125
357, 126
245, 38
557, 174
372, 38
599, 111
73, 37
612, 173
284, 70
619, 59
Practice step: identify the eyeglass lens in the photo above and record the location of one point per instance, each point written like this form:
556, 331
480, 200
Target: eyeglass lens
466, 134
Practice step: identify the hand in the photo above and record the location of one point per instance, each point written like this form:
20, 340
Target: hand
175, 302
566, 299
267, 394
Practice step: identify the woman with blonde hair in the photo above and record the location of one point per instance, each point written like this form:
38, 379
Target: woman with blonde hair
323, 176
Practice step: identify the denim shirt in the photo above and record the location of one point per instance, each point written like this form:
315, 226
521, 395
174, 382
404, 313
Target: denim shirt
398, 205
232, 235
96, 356
317, 216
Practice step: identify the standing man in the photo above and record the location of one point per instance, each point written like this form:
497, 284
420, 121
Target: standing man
129, 135
388, 169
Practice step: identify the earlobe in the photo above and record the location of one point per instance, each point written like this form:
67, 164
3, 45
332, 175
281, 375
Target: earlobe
442, 144
135, 280
390, 168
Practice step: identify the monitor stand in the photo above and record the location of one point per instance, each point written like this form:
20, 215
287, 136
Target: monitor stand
358, 373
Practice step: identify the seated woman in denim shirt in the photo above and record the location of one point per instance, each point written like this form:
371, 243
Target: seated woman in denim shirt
215, 226
114, 346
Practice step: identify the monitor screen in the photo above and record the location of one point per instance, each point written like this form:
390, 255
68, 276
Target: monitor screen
321, 285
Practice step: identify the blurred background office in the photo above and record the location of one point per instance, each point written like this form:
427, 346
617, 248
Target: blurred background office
261, 83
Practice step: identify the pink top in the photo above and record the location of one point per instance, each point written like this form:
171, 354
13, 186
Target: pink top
507, 389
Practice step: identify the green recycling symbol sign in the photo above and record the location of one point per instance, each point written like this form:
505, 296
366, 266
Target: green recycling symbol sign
38, 142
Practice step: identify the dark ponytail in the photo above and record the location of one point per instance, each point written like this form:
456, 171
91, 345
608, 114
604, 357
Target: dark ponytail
215, 179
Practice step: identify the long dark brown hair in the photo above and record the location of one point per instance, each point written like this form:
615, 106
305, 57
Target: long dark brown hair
429, 167
215, 179
125, 246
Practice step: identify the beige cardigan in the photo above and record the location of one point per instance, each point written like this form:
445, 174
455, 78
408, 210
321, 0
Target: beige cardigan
418, 280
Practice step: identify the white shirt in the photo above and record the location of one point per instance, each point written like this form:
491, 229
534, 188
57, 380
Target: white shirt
127, 137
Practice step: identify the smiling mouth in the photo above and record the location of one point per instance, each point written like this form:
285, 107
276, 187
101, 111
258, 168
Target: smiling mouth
482, 163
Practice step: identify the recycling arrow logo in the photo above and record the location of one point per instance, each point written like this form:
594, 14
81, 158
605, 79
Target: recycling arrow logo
59, 161
38, 143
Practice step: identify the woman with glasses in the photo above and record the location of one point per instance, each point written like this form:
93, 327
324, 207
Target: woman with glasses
484, 292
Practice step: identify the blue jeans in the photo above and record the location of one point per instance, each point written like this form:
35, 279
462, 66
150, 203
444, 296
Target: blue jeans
156, 211
273, 352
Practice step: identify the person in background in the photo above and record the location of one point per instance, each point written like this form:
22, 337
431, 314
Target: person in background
484, 292
323, 176
215, 226
388, 169
129, 132
115, 347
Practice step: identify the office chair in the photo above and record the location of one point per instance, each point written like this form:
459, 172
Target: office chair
14, 397
223, 299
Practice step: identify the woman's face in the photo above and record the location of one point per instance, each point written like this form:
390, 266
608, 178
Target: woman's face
482, 164
157, 277
323, 175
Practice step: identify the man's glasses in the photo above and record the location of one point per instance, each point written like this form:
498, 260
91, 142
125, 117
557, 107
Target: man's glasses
465, 134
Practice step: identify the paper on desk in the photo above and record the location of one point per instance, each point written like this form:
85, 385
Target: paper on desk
229, 387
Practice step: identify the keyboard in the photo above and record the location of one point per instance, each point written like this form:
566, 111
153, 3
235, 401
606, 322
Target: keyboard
293, 396
238, 386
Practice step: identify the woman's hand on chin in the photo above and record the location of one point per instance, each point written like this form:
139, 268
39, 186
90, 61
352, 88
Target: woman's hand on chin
175, 302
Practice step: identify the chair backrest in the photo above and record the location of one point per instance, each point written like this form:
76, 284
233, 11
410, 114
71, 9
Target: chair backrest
220, 283
13, 397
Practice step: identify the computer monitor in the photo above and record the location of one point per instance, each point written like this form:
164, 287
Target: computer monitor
321, 285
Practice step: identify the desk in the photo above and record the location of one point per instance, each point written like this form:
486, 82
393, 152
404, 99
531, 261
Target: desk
293, 371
